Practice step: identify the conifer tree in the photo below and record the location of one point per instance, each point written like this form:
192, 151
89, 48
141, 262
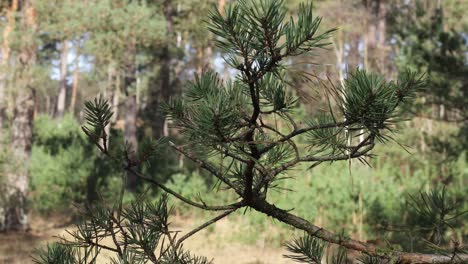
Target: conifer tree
227, 129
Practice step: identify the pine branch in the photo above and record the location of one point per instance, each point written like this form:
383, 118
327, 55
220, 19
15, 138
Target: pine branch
184, 199
207, 166
203, 226
315, 231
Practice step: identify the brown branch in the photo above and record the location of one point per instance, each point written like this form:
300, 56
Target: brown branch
312, 158
203, 226
102, 246
300, 131
227, 153
302, 224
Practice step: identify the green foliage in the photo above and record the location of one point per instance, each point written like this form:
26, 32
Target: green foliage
98, 115
372, 101
435, 212
430, 42
306, 249
211, 114
253, 30
56, 253
230, 130
64, 166
140, 233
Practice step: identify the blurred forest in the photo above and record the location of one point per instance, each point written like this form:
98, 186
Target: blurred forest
57, 54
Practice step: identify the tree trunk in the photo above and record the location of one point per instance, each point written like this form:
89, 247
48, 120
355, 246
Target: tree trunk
165, 73
62, 97
163, 89
376, 37
76, 79
131, 113
221, 4
14, 215
6, 50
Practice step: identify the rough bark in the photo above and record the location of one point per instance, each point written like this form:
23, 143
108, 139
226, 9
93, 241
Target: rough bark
302, 224
17, 174
6, 50
14, 215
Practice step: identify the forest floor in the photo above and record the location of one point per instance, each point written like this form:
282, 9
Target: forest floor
216, 243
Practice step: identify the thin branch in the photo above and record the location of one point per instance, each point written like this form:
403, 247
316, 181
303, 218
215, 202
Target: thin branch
312, 158
103, 246
204, 225
184, 199
300, 131
205, 165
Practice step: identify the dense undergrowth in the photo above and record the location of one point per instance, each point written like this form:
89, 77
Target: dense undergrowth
364, 201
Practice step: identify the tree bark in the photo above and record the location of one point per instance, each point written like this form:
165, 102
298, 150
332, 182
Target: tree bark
6, 50
376, 33
76, 79
163, 88
165, 72
62, 96
14, 215
302, 224
131, 113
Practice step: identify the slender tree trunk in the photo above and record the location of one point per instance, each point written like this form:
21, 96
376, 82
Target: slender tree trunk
62, 97
381, 43
116, 99
76, 79
14, 215
131, 113
221, 5
6, 50
200, 60
165, 89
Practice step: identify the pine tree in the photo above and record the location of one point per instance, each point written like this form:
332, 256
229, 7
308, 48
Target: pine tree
430, 39
228, 129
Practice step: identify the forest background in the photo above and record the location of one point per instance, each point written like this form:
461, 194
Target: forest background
57, 54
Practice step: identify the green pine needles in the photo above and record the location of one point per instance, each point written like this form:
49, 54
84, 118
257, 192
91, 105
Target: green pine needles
228, 129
